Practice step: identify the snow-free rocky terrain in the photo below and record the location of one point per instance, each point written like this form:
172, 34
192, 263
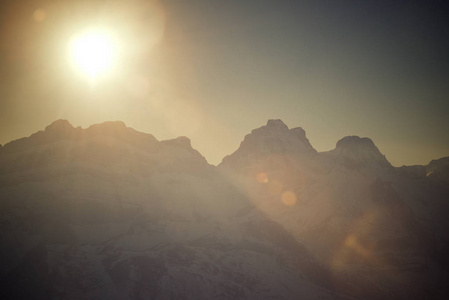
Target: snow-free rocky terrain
111, 213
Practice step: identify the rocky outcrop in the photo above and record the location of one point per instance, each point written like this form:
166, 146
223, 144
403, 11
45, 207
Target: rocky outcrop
438, 170
269, 141
124, 151
358, 152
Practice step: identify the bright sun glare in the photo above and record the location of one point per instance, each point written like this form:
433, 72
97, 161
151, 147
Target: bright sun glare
94, 53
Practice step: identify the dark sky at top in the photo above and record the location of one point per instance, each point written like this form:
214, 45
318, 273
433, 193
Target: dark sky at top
221, 68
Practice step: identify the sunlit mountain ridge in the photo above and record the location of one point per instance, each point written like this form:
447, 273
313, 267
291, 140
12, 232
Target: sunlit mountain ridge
107, 212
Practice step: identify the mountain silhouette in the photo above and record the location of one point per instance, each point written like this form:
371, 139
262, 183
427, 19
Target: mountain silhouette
108, 212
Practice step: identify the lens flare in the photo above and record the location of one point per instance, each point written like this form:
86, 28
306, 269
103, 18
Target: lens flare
288, 198
262, 177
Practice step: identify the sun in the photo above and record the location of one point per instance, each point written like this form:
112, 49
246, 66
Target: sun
94, 53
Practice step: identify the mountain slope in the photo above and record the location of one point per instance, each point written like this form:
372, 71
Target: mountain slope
111, 213
354, 211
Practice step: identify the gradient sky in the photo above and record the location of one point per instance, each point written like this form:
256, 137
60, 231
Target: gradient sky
214, 70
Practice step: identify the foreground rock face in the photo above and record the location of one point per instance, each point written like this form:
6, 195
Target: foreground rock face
111, 213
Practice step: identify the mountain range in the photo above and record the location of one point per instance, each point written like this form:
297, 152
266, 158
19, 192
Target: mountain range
108, 212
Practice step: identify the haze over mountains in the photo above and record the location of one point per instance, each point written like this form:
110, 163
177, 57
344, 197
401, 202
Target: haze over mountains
111, 213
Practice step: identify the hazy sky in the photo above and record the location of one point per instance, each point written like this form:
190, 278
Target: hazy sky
214, 70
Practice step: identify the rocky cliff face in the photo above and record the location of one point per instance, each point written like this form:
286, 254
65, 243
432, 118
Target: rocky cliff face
439, 170
355, 152
111, 213
110, 144
269, 140
350, 207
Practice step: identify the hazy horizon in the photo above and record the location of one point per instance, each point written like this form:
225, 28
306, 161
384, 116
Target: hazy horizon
193, 142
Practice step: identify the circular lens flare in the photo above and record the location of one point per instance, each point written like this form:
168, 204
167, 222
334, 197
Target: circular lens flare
288, 198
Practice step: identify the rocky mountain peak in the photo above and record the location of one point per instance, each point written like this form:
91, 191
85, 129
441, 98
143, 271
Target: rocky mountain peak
359, 151
438, 170
118, 129
59, 126
276, 123
299, 132
354, 141
109, 125
272, 127
273, 138
109, 142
